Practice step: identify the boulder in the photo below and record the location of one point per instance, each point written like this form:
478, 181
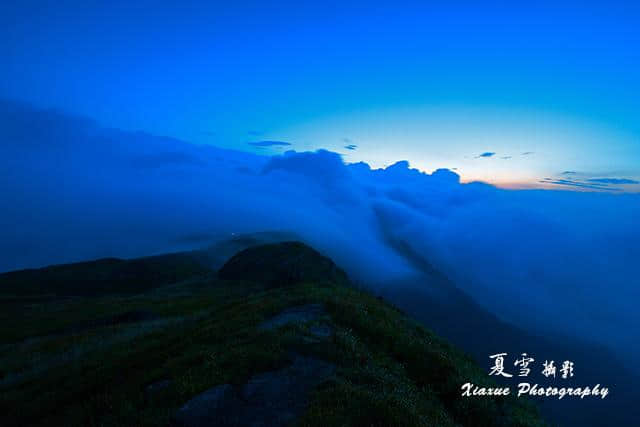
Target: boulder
270, 399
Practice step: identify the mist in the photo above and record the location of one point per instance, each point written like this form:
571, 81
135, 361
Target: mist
544, 260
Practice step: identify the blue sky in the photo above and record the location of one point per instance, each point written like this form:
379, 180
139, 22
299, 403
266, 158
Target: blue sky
538, 96
438, 85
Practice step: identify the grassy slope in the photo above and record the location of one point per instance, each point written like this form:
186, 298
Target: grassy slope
78, 361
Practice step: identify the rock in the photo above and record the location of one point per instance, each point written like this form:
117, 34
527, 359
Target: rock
281, 264
299, 314
217, 406
276, 398
269, 399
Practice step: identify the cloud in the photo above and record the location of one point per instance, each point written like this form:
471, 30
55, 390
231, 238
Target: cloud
485, 154
346, 140
622, 181
269, 143
605, 184
531, 258
322, 164
580, 184
505, 157
528, 153
351, 147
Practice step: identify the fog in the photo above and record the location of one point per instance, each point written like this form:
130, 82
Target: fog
556, 261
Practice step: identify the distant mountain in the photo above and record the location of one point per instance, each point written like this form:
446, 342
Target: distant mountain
433, 299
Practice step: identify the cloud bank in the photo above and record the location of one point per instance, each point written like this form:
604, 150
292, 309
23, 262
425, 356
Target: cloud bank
546, 260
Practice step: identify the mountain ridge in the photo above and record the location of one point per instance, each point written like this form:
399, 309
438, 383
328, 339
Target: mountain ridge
168, 345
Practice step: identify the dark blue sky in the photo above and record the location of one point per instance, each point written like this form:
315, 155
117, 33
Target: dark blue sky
543, 95
438, 85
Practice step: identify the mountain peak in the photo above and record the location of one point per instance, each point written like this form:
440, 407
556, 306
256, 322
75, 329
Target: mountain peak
281, 264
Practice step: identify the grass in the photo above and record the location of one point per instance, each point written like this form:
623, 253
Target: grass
60, 367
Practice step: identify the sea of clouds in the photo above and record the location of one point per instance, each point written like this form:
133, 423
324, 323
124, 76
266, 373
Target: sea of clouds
556, 261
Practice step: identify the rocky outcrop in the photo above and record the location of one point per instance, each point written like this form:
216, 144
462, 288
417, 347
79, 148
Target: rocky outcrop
270, 399
298, 314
